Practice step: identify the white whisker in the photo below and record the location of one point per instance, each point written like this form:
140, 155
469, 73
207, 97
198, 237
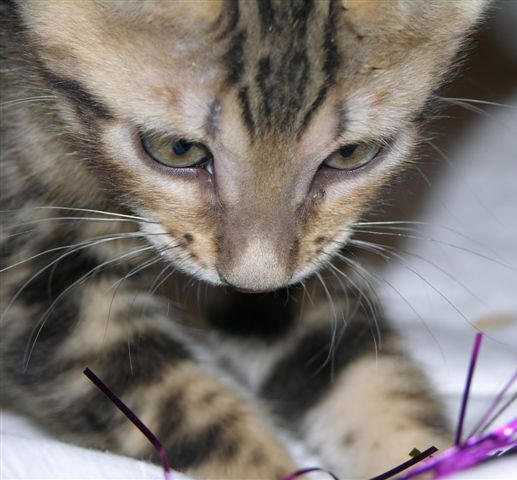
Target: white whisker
43, 318
473, 100
330, 356
91, 210
380, 250
379, 279
115, 236
440, 242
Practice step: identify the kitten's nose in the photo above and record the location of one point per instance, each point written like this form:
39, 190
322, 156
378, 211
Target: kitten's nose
255, 268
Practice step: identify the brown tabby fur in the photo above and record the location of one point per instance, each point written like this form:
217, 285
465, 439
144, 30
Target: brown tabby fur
142, 294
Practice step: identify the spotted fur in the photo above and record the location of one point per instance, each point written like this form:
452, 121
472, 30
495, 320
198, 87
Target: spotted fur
151, 277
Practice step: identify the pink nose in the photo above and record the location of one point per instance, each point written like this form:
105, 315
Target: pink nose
255, 267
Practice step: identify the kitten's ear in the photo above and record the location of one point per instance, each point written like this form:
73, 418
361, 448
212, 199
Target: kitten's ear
457, 15
165, 11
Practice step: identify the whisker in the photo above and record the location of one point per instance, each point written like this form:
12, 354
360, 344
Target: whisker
472, 108
140, 267
369, 304
396, 224
156, 282
428, 182
379, 279
330, 356
439, 268
473, 100
91, 210
19, 101
440, 242
72, 219
346, 296
380, 250
471, 190
17, 234
306, 292
358, 304
158, 285
115, 236
39, 272
43, 318
116, 286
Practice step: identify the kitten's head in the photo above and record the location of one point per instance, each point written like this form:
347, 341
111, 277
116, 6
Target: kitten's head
252, 133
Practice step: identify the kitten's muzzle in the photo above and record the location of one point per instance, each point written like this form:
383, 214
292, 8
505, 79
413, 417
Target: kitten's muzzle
257, 265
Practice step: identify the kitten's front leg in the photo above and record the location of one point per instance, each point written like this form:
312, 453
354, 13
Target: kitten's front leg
206, 427
377, 411
361, 411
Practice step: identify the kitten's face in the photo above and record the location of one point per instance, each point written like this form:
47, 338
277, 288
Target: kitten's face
262, 95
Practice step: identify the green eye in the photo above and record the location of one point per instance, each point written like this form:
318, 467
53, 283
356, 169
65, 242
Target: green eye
176, 153
353, 156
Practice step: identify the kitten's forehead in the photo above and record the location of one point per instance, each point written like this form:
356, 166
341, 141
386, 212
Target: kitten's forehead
281, 62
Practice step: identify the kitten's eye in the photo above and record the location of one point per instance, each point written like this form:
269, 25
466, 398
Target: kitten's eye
353, 156
176, 153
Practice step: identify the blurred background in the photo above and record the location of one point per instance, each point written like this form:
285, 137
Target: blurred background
458, 272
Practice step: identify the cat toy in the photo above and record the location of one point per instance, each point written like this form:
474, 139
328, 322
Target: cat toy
478, 447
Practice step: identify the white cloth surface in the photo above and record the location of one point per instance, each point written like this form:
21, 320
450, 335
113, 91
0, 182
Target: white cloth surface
478, 197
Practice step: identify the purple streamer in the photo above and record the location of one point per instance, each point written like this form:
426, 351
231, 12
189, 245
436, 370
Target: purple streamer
136, 421
466, 392
404, 466
511, 451
384, 476
475, 450
494, 404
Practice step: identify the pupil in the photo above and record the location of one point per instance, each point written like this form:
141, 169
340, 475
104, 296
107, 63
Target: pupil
181, 147
347, 150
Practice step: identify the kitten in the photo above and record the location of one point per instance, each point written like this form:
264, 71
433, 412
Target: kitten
175, 175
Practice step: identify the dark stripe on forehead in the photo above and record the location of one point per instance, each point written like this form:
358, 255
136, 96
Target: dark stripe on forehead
312, 109
332, 56
212, 119
298, 74
77, 94
246, 110
262, 78
298, 12
234, 57
267, 16
332, 63
283, 74
232, 12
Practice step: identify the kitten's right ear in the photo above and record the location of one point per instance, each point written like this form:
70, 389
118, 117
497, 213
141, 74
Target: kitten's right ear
168, 12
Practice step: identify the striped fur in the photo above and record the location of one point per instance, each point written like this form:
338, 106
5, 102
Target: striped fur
114, 262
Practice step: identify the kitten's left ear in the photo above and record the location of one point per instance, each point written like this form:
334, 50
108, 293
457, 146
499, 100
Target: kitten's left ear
460, 13
468, 11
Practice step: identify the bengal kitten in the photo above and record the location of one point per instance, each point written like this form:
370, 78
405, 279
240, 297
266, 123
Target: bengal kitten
176, 175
